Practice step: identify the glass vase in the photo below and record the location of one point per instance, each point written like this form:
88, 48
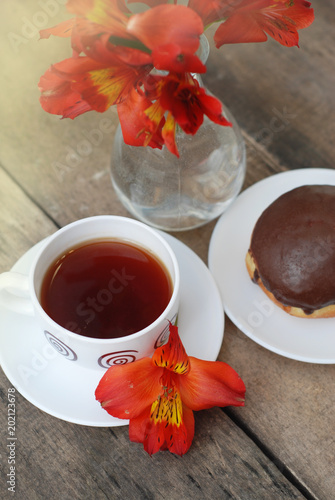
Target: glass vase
176, 194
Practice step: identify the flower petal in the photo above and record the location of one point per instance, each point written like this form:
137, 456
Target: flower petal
168, 424
169, 134
176, 439
188, 102
208, 10
137, 128
63, 29
211, 384
97, 17
58, 97
125, 391
212, 107
178, 95
159, 25
170, 57
230, 31
88, 81
252, 21
172, 355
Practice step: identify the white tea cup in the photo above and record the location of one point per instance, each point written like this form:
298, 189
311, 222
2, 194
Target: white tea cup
22, 293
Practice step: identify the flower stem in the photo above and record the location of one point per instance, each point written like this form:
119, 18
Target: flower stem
133, 44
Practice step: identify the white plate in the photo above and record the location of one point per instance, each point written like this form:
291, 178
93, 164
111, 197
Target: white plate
311, 340
55, 386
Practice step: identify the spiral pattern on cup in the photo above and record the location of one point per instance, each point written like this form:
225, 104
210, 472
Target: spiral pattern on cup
117, 358
164, 335
60, 347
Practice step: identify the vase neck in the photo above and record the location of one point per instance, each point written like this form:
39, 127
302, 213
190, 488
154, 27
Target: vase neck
202, 53
204, 49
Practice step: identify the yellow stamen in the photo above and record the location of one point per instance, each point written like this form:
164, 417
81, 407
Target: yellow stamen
167, 408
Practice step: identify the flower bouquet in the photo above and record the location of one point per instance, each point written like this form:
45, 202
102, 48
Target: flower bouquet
144, 62
144, 59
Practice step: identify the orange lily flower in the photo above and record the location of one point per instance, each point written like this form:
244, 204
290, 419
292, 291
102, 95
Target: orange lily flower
247, 21
158, 395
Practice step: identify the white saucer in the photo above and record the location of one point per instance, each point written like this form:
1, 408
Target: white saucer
55, 386
311, 340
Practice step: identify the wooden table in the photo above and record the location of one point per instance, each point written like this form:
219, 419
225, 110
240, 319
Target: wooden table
281, 444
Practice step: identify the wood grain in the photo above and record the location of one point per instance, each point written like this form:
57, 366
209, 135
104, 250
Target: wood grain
60, 460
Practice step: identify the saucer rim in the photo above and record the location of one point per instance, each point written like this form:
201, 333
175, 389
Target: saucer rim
106, 419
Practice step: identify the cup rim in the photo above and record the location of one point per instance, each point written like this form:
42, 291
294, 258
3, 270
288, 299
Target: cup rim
112, 340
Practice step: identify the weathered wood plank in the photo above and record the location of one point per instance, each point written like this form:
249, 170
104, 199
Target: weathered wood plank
56, 459
289, 407
22, 224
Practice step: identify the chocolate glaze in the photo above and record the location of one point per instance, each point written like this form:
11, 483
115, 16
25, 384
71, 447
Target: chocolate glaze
293, 246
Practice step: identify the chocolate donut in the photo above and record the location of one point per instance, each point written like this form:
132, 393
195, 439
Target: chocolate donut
292, 251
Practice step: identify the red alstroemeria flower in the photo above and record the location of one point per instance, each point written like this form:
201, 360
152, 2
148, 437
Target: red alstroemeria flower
67, 85
186, 102
177, 95
247, 21
183, 100
158, 395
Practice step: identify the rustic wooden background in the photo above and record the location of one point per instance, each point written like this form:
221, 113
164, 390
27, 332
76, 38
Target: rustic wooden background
281, 445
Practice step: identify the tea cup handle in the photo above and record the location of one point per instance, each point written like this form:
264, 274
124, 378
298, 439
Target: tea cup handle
14, 293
